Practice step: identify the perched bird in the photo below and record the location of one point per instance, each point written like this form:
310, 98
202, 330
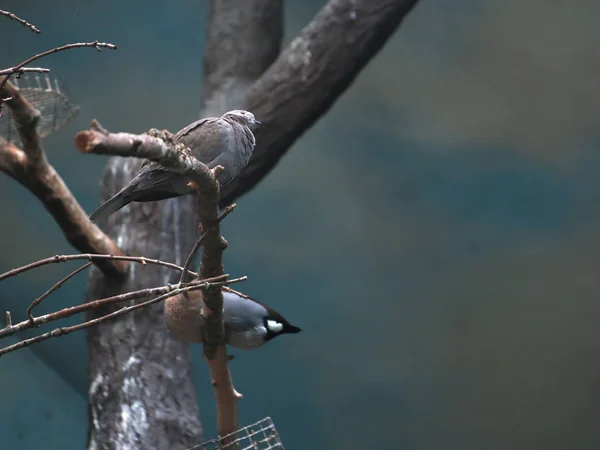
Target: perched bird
248, 323
227, 141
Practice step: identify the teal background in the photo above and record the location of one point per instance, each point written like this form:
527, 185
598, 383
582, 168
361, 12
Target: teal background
435, 234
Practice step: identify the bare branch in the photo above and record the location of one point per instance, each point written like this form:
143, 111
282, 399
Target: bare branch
91, 257
95, 44
133, 295
227, 211
225, 394
30, 167
310, 75
155, 145
12, 70
21, 21
188, 261
127, 309
199, 242
56, 286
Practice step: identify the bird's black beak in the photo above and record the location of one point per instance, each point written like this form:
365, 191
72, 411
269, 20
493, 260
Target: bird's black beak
257, 122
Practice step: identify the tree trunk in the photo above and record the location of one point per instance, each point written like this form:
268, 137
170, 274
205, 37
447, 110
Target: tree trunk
141, 394
140, 382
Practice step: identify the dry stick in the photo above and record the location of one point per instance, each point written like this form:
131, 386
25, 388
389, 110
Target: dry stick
133, 295
227, 211
23, 70
127, 309
95, 44
91, 257
188, 261
21, 21
41, 298
30, 167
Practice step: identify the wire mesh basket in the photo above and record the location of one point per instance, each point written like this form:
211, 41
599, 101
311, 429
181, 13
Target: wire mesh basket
261, 435
46, 94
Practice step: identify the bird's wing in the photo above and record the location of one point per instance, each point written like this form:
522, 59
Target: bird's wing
158, 182
207, 138
181, 134
222, 160
237, 322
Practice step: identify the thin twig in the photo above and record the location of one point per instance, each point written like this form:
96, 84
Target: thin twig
127, 309
227, 211
8, 319
233, 291
133, 295
41, 298
91, 257
188, 261
192, 254
95, 44
21, 21
23, 70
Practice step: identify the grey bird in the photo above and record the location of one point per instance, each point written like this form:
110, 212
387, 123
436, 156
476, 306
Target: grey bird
248, 323
225, 141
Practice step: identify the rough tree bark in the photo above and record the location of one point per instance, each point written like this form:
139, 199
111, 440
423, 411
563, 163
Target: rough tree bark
140, 393
310, 75
140, 385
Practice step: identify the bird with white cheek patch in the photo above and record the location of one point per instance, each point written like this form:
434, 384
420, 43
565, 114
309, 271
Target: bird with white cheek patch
248, 323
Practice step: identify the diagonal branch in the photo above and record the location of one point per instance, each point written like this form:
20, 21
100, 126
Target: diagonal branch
310, 75
30, 167
243, 39
21, 21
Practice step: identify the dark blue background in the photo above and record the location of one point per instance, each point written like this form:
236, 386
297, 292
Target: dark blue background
435, 234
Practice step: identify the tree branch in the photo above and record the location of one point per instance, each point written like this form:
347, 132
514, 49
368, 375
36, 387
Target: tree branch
170, 292
171, 156
32, 322
30, 167
176, 157
309, 76
243, 39
13, 71
21, 21
95, 44
56, 286
92, 257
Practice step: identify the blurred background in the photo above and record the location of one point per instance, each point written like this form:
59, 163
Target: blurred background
434, 234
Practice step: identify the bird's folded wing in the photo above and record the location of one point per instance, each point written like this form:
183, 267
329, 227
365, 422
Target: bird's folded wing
158, 182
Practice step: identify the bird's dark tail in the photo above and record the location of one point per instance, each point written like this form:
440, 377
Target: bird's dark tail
110, 206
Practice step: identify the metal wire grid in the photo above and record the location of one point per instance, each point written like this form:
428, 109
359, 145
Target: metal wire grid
46, 94
261, 435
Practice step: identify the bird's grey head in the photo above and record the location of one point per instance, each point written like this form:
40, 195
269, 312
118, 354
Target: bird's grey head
242, 117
